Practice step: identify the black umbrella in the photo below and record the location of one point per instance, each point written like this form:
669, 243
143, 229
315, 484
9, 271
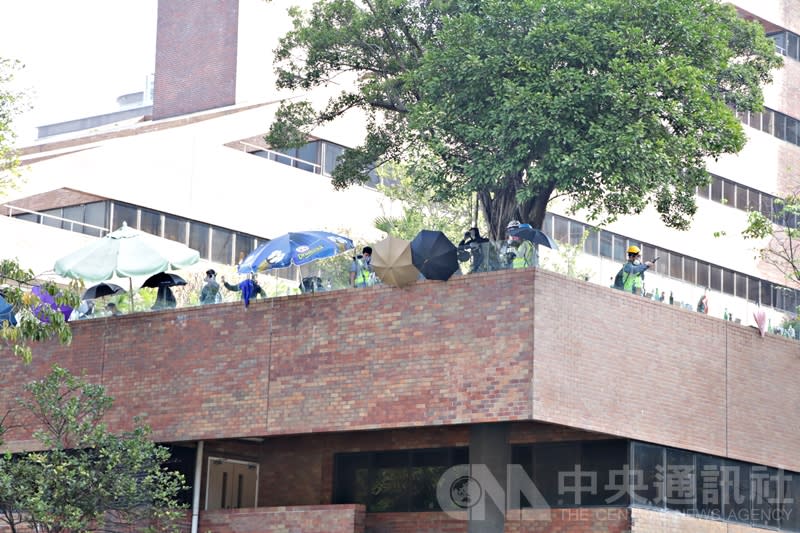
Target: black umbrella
100, 290
536, 236
164, 279
434, 255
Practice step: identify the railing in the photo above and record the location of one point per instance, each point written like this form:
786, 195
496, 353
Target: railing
316, 169
71, 223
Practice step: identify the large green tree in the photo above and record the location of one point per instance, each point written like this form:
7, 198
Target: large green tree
87, 479
615, 104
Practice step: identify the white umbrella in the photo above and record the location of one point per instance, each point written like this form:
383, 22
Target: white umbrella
125, 252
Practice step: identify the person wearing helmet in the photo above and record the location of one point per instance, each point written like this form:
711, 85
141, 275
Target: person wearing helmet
509, 249
633, 271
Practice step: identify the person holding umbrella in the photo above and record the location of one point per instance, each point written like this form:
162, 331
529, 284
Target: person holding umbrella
361, 273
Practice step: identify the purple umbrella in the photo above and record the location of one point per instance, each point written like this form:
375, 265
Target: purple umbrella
48, 299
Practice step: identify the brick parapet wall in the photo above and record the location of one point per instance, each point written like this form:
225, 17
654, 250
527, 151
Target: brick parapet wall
505, 346
308, 519
652, 521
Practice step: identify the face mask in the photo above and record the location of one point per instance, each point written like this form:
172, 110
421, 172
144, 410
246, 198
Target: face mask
637, 262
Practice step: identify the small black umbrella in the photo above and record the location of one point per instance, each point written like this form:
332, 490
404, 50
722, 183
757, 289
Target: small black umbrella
434, 255
164, 279
100, 290
536, 236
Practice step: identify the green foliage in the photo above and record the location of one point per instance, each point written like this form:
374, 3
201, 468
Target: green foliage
11, 104
16, 283
421, 210
613, 103
783, 247
88, 479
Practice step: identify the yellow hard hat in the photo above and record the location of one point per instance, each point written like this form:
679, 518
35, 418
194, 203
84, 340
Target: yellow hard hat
633, 250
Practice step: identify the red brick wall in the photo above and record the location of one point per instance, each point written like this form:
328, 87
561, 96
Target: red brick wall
53, 199
650, 521
480, 348
607, 520
305, 519
196, 47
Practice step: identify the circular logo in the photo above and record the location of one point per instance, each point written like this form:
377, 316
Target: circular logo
276, 257
465, 492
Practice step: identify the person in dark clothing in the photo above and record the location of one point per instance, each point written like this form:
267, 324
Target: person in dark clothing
474, 247
164, 299
249, 289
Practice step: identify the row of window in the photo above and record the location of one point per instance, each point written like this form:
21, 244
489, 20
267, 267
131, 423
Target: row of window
773, 122
744, 198
212, 242
613, 246
319, 157
603, 473
787, 43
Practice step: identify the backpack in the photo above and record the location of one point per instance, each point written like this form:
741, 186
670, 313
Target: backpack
619, 280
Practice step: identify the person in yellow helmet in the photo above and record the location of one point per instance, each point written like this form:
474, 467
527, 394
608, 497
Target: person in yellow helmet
633, 271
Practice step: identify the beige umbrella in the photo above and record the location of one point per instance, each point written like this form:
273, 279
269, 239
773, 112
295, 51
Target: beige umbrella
391, 261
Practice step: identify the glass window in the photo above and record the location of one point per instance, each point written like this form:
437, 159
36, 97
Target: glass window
716, 188
150, 222
766, 205
765, 487
790, 501
332, 152
728, 282
780, 41
741, 285
755, 120
308, 152
648, 468
689, 268
550, 460
662, 265
753, 200
729, 194
605, 459
575, 232
780, 125
54, 218
175, 228
124, 213
741, 197
72, 214
676, 266
680, 480
389, 486
606, 241
792, 48
702, 273
735, 481
767, 289
620, 248
244, 245
351, 483
547, 226
791, 130
716, 278
30, 217
198, 238
708, 486
766, 121
591, 244
94, 214
703, 191
221, 246
561, 233
427, 466
752, 289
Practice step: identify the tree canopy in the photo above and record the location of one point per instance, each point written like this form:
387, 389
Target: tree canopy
87, 479
615, 104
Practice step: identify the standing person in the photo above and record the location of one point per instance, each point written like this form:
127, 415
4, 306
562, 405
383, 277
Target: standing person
474, 244
525, 251
361, 273
702, 304
165, 299
249, 288
210, 291
633, 271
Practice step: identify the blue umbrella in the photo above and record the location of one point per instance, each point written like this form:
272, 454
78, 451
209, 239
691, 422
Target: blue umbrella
7, 313
296, 248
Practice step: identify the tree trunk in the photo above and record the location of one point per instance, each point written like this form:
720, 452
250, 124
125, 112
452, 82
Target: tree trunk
501, 207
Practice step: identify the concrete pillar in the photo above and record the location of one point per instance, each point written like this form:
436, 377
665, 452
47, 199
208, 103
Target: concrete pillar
488, 445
